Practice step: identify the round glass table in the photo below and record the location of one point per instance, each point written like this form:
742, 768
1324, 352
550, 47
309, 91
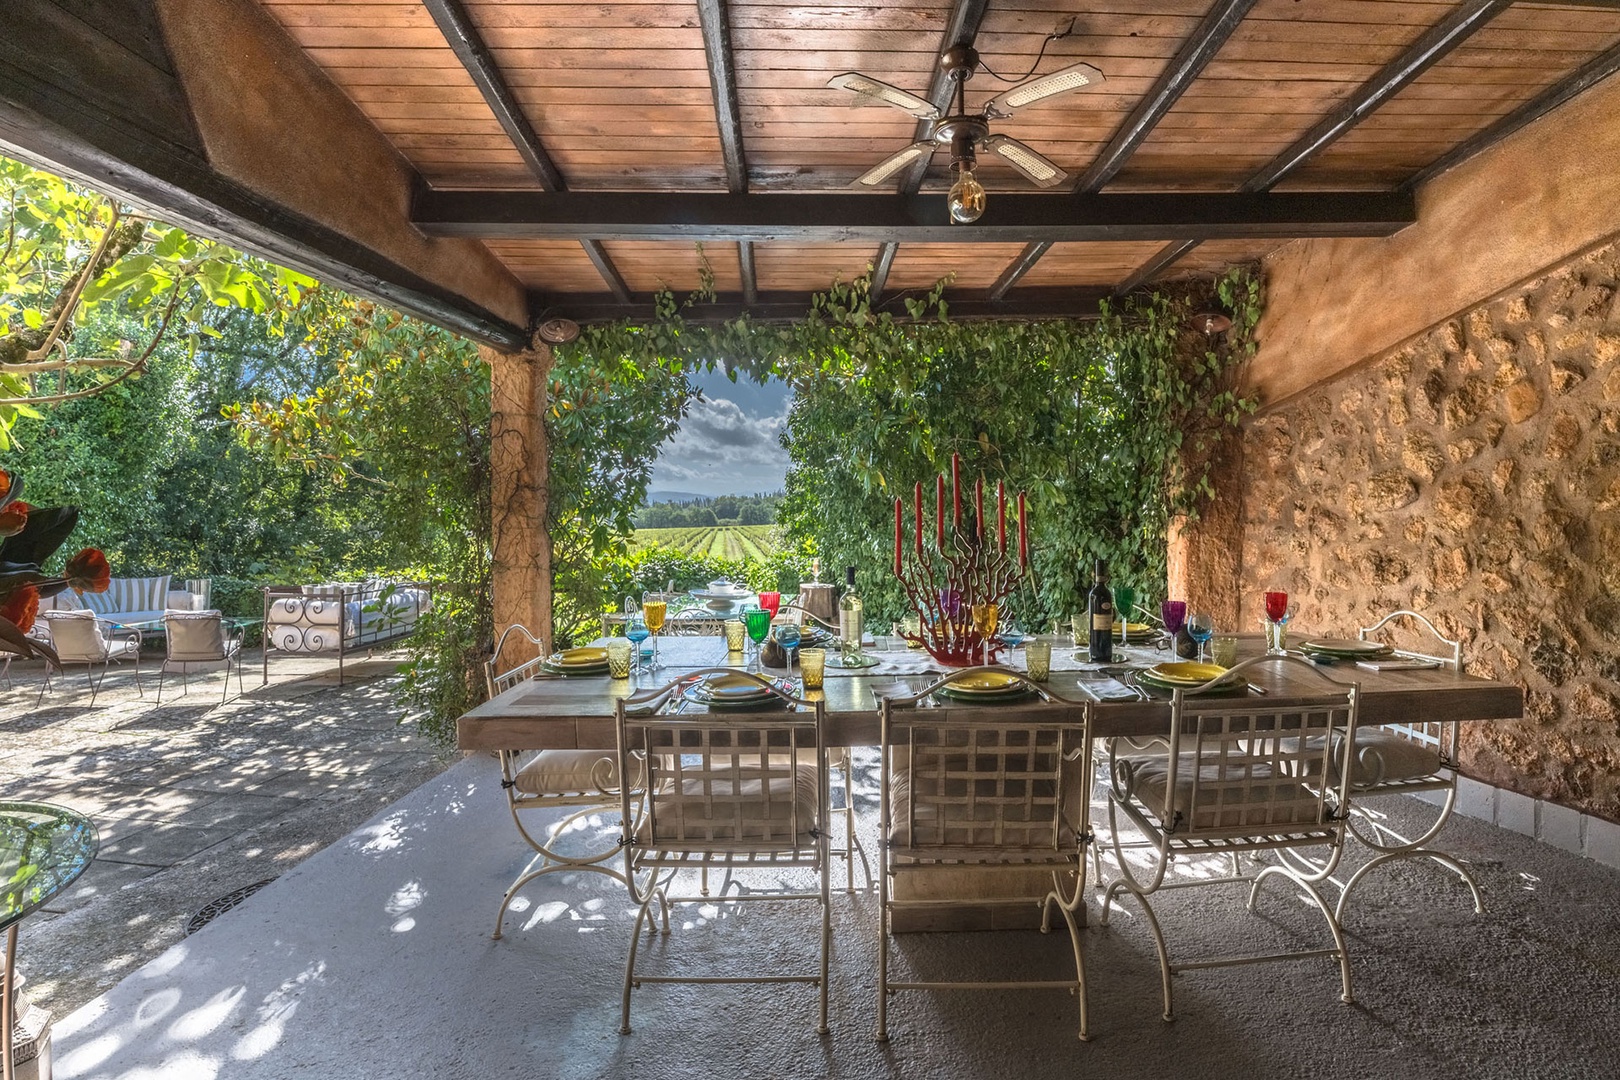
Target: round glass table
43, 850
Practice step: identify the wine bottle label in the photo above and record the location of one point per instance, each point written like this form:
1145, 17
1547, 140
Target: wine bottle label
1103, 620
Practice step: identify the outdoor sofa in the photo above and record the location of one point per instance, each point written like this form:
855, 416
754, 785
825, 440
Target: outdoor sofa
128, 600
341, 617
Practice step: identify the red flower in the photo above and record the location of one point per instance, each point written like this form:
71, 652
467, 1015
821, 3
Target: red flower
21, 607
88, 572
14, 518
5, 483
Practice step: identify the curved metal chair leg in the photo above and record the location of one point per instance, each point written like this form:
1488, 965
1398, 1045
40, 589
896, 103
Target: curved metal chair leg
630, 965
1417, 853
528, 876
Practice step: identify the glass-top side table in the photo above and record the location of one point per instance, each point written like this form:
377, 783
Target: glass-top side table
43, 850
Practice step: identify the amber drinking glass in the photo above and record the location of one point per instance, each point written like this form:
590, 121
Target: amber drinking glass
653, 612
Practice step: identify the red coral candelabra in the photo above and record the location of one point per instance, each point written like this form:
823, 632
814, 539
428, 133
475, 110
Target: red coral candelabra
961, 572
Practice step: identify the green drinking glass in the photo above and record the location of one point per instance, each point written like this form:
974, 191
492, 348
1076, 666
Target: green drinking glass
1124, 604
757, 622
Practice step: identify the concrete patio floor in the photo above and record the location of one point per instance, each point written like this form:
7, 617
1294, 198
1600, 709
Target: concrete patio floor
194, 799
372, 958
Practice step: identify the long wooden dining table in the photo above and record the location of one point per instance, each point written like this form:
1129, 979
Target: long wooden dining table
577, 712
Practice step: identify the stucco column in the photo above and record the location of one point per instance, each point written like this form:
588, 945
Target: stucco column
518, 494
1205, 557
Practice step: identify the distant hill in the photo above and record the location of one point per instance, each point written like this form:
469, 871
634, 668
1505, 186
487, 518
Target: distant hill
674, 497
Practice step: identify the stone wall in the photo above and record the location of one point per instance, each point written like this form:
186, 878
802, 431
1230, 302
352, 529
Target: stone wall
1474, 475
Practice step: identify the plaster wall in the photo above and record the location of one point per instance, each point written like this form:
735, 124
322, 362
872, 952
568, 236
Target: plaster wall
1473, 474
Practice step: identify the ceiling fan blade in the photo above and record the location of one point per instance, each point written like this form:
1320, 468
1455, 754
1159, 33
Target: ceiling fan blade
895, 162
878, 92
1035, 166
1062, 81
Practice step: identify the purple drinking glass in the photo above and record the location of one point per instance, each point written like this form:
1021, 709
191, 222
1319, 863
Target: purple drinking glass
1175, 615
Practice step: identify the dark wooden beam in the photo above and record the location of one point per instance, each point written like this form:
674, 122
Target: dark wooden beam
1433, 46
468, 45
604, 266
1019, 267
716, 26
77, 103
1162, 260
602, 215
1032, 303
1586, 77
881, 268
1188, 63
745, 270
1430, 47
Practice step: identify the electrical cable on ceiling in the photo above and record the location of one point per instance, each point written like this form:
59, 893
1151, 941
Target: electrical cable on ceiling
1057, 35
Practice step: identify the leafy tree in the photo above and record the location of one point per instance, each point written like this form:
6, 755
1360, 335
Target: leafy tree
68, 254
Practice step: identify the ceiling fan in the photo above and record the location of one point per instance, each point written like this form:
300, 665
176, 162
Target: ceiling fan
966, 132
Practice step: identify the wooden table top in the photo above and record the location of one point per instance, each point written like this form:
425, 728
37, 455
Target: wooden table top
577, 712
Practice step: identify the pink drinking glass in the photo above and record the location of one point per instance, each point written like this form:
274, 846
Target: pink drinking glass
771, 602
1175, 615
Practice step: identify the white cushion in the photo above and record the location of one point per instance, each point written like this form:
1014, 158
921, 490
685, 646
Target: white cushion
685, 818
197, 636
1271, 800
958, 836
1383, 756
568, 772
130, 594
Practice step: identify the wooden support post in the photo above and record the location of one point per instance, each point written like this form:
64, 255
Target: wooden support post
520, 474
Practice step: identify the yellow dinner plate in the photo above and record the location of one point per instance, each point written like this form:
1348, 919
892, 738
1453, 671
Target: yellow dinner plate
1136, 627
577, 658
984, 682
734, 687
1186, 672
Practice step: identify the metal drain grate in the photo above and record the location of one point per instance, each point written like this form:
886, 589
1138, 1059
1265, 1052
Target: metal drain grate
215, 908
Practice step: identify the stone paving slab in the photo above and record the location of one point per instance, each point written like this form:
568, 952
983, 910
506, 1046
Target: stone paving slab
193, 799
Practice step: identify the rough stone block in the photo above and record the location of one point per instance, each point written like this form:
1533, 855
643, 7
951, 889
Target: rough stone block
1523, 401
1476, 800
1559, 826
1602, 841
1515, 812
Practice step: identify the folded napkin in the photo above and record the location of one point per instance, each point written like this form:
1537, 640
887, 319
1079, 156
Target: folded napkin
894, 689
1108, 690
907, 665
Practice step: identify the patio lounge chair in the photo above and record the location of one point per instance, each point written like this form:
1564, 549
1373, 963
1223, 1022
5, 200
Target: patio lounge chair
79, 637
992, 789
200, 637
585, 782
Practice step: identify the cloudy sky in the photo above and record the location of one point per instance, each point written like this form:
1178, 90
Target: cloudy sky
727, 445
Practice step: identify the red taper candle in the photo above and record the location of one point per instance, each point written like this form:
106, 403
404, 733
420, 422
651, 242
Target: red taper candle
939, 508
1001, 517
978, 507
897, 534
919, 518
956, 491
1023, 533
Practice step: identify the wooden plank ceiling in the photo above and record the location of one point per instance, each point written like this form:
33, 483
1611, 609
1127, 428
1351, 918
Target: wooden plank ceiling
619, 95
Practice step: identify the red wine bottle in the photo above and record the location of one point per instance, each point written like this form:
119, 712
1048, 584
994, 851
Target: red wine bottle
1100, 606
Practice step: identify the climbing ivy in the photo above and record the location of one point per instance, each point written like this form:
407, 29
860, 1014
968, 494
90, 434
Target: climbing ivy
1112, 426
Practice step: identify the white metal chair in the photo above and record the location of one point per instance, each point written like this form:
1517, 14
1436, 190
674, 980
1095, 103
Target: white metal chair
725, 792
1407, 759
200, 637
1251, 775
585, 782
988, 789
79, 637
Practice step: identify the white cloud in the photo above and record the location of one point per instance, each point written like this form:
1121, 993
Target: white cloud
720, 449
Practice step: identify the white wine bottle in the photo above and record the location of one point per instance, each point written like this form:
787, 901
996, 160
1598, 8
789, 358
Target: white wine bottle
851, 618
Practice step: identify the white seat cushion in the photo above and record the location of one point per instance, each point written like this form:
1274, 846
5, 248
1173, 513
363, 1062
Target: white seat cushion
687, 817
1383, 756
1229, 796
568, 772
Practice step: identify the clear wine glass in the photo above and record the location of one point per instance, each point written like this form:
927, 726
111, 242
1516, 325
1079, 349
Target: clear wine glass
1201, 627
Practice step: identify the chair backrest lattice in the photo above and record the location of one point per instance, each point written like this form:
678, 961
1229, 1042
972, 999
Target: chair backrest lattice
983, 784
495, 682
732, 785
1441, 737
1238, 770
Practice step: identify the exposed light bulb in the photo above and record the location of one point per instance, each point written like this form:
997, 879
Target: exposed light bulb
966, 197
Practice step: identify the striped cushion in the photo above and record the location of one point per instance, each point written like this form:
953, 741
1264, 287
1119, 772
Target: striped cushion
332, 591
130, 594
